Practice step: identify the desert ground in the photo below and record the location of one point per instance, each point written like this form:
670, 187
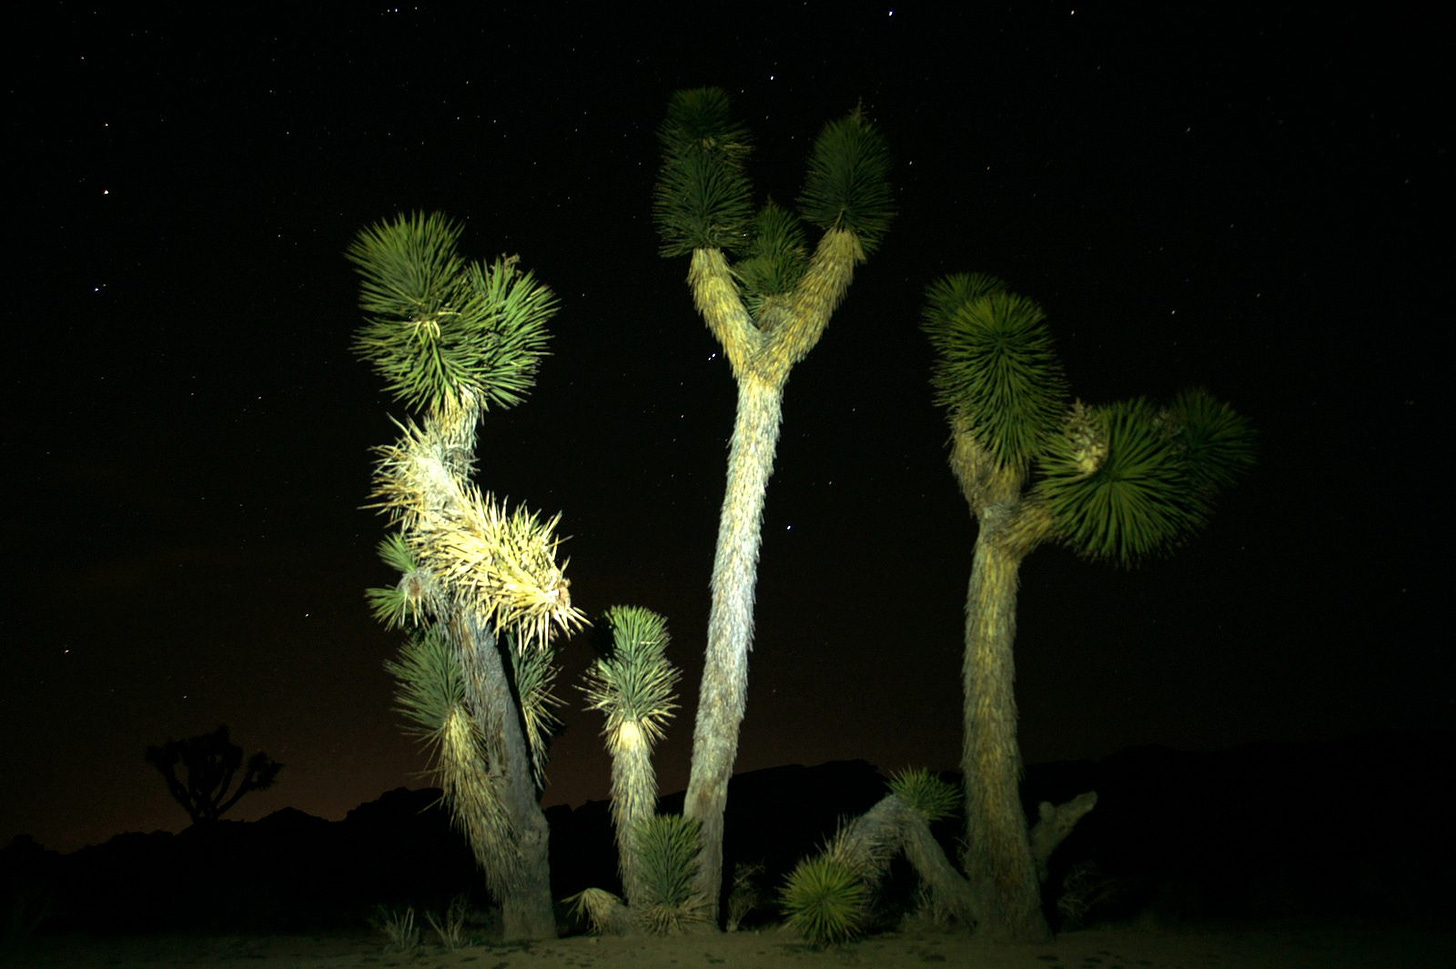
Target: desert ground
1258, 946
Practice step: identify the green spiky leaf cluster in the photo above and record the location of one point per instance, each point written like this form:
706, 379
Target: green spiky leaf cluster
775, 260
437, 327
1217, 442
1143, 498
668, 847
417, 595
996, 366
825, 900
430, 682
848, 181
926, 793
703, 198
635, 683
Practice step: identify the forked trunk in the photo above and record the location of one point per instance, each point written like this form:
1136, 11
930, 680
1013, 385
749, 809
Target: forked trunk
998, 858
723, 693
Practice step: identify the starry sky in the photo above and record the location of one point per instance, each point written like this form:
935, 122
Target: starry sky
1244, 201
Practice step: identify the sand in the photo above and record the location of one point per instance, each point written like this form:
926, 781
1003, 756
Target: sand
1261, 946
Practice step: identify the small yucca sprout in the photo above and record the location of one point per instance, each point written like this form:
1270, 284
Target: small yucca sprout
668, 847
927, 794
825, 900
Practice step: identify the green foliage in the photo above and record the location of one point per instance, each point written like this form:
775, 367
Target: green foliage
776, 258
439, 329
703, 198
847, 185
825, 899
1217, 442
430, 682
945, 297
926, 793
1141, 500
415, 596
995, 366
635, 683
667, 848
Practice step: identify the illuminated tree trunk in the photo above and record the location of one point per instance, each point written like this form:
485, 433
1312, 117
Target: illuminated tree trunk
634, 800
526, 906
723, 693
998, 857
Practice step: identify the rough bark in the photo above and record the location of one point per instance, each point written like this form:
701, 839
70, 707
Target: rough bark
723, 693
1055, 823
893, 827
526, 905
634, 800
998, 858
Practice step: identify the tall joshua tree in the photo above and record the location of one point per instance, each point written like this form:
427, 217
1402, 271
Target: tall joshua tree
481, 592
1116, 483
767, 311
211, 763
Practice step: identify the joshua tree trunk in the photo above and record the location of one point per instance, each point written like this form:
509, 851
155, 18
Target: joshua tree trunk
524, 886
998, 858
634, 800
723, 693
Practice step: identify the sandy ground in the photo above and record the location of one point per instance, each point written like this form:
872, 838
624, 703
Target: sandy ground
1259, 947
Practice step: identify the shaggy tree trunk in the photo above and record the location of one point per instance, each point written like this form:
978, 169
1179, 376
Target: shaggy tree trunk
998, 858
723, 693
634, 800
525, 896
893, 827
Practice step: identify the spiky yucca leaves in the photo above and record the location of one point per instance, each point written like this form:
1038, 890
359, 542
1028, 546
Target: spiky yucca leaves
431, 696
603, 912
668, 848
848, 185
825, 899
1128, 481
775, 261
436, 325
925, 793
703, 199
502, 562
996, 367
415, 598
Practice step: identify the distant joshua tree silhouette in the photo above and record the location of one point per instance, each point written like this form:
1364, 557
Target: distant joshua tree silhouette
210, 761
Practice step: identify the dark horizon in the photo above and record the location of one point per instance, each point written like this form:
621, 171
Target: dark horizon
1198, 199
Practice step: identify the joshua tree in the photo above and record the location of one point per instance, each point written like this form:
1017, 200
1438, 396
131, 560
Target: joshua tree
767, 311
633, 686
1117, 483
658, 855
211, 761
481, 592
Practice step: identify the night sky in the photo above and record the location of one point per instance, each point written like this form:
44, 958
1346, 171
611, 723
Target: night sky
1197, 196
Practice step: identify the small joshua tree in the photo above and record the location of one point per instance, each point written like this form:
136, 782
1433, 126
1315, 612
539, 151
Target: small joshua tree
1116, 483
658, 855
210, 763
480, 593
633, 686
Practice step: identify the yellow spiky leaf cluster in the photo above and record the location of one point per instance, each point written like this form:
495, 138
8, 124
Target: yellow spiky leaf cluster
500, 561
